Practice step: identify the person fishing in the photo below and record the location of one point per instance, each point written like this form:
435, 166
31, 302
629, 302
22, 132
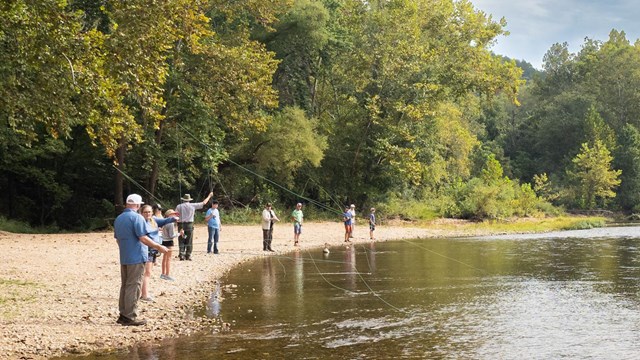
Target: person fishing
187, 211
269, 219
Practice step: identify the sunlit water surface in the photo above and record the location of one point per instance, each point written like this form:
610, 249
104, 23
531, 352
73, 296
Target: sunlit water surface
570, 295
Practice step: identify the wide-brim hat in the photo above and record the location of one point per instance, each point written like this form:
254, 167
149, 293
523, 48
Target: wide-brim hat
186, 197
169, 212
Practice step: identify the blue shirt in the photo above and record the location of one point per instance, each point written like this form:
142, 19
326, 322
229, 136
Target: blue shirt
128, 228
214, 222
154, 232
347, 216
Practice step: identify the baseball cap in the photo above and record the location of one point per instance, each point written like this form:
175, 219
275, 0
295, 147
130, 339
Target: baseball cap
134, 199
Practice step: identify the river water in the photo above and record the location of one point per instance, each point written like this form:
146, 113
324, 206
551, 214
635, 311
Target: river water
569, 295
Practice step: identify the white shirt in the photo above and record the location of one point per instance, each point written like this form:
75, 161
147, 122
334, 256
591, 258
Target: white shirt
267, 217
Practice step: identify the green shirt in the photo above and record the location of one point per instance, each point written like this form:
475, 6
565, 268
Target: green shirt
297, 216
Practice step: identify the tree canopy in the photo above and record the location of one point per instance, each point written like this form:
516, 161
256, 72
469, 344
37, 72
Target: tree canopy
330, 100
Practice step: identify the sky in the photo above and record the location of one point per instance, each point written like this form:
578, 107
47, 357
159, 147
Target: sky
535, 25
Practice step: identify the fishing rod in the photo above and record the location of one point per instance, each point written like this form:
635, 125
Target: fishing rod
138, 185
310, 200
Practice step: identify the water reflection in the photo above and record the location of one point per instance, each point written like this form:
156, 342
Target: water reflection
213, 305
350, 269
518, 297
371, 256
269, 286
298, 279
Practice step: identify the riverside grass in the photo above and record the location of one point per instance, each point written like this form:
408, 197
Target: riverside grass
521, 225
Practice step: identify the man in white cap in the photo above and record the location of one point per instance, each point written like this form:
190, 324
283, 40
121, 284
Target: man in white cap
187, 210
130, 231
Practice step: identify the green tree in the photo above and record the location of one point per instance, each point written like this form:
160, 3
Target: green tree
627, 159
299, 39
290, 142
45, 69
596, 129
595, 179
395, 101
612, 74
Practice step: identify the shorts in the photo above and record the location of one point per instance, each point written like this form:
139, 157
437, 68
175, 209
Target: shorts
297, 228
167, 243
153, 255
347, 228
372, 227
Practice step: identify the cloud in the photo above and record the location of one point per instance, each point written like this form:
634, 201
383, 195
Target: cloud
535, 25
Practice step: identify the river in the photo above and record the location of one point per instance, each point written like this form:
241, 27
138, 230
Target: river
570, 295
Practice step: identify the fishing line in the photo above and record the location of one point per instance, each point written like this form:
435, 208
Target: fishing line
138, 185
442, 255
355, 269
367, 284
261, 253
210, 178
226, 194
179, 170
340, 206
284, 269
214, 174
312, 201
324, 278
204, 183
367, 257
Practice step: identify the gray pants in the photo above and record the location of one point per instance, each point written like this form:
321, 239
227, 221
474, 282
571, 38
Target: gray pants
267, 237
130, 289
186, 243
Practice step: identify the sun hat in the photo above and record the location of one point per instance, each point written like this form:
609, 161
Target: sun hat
134, 199
353, 206
186, 197
169, 212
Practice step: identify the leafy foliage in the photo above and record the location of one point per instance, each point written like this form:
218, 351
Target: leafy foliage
340, 101
593, 175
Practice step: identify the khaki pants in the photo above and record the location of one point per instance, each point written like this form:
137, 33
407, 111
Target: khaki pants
130, 289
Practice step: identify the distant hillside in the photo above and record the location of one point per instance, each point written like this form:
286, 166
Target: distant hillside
528, 71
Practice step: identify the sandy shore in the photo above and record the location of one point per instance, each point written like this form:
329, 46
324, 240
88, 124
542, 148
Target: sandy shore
59, 293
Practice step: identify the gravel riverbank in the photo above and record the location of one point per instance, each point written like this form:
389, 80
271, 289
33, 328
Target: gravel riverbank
59, 293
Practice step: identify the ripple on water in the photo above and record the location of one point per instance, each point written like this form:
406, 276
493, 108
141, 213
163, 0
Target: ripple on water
541, 319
